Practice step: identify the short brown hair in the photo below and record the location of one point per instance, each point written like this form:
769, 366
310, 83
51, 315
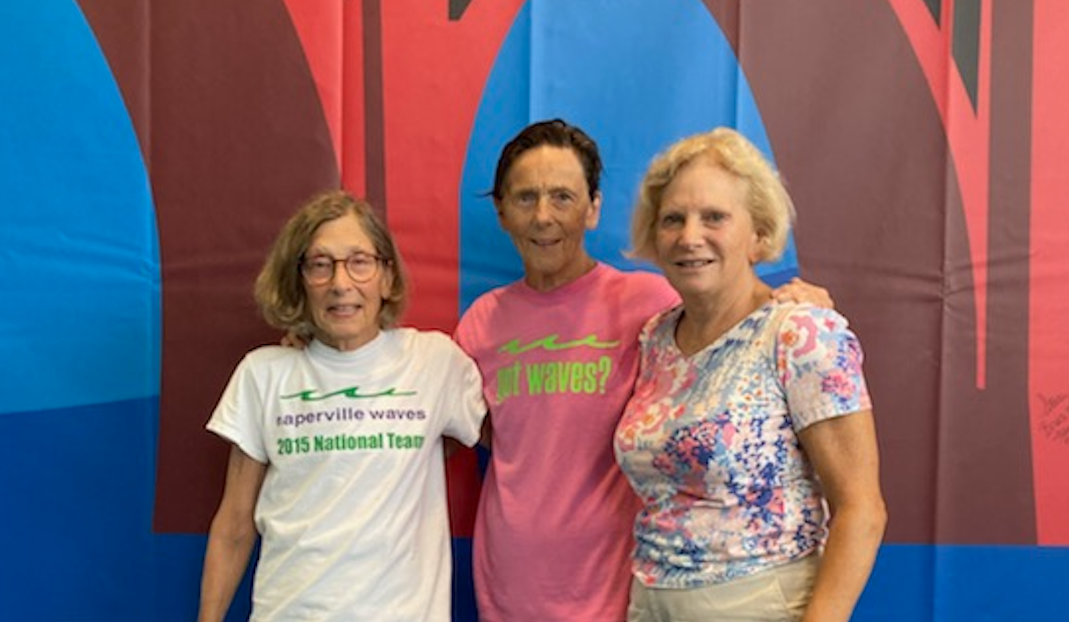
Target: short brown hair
551, 133
767, 200
279, 287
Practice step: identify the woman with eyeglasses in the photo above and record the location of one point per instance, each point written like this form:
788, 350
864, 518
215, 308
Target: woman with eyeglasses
337, 448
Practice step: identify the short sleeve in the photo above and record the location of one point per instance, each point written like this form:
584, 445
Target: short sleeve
238, 417
463, 398
646, 333
470, 332
819, 361
646, 337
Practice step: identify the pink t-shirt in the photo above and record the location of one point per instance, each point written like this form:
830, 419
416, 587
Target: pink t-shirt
553, 529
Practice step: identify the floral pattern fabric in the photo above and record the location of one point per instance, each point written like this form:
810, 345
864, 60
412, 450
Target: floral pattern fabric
710, 442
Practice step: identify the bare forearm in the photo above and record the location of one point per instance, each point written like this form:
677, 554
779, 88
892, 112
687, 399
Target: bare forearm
853, 541
224, 565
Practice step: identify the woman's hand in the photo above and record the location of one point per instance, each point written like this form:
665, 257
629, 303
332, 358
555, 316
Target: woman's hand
294, 339
797, 290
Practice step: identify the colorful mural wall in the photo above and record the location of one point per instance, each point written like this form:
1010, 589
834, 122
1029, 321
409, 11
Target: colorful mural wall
150, 149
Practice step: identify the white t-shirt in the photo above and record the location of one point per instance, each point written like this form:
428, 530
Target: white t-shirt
352, 511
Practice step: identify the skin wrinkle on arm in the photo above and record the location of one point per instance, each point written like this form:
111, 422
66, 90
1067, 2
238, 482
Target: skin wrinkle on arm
845, 456
231, 536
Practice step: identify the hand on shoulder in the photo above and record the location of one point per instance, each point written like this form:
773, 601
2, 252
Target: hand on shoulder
797, 290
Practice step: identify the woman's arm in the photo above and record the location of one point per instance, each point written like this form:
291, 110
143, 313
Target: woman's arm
486, 433
452, 445
231, 537
844, 454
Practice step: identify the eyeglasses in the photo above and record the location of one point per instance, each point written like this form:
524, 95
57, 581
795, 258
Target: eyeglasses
361, 267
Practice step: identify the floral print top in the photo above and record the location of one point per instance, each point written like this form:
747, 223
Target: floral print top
710, 442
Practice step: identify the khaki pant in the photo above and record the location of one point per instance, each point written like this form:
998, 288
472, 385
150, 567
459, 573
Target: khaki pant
776, 595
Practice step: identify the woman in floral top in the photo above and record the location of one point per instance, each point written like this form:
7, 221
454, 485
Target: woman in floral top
750, 418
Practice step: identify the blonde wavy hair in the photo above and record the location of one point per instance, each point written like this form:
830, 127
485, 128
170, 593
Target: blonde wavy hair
767, 200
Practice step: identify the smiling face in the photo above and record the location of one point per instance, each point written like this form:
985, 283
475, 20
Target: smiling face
704, 235
547, 209
345, 313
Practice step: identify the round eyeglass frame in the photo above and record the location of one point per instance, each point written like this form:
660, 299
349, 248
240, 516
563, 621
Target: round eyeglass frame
323, 279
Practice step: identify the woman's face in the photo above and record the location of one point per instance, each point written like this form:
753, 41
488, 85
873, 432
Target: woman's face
704, 234
345, 312
546, 211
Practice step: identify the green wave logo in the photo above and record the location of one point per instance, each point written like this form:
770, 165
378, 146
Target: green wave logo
309, 395
550, 344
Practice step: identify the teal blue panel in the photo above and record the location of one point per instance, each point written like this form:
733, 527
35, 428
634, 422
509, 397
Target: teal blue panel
79, 259
947, 583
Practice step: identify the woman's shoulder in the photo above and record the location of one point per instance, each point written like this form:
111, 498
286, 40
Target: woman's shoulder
807, 332
269, 354
803, 314
267, 361
642, 283
431, 349
662, 323
423, 340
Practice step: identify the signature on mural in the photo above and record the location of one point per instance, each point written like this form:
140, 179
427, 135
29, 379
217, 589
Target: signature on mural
1054, 417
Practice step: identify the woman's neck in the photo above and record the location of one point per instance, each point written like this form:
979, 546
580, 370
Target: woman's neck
706, 318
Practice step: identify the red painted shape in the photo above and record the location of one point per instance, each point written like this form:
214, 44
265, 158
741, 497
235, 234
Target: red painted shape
331, 35
968, 134
433, 78
1049, 293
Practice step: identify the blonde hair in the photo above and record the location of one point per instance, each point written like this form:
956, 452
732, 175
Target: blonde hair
767, 200
279, 287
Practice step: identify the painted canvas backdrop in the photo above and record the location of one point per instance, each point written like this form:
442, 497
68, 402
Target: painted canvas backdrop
151, 150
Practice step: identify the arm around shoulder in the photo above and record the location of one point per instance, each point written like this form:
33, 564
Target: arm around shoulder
797, 290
